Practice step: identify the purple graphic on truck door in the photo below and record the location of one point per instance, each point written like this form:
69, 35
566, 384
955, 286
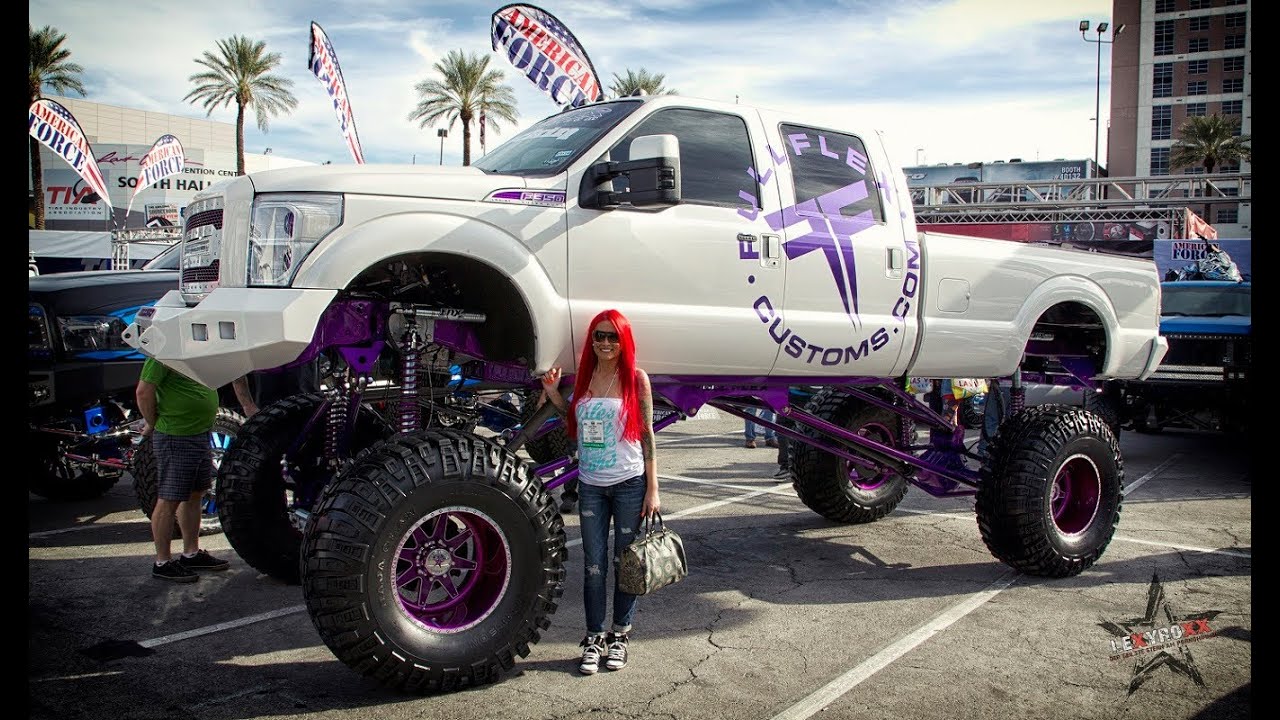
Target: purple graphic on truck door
836, 198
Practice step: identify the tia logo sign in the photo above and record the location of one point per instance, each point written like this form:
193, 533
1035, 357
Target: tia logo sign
1159, 638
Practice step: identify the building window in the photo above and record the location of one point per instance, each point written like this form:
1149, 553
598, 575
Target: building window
1233, 64
1232, 42
1198, 24
1201, 4
1161, 122
1197, 170
1162, 80
1198, 87
1164, 6
1232, 107
1197, 67
1198, 45
1227, 216
1197, 109
1164, 37
1160, 161
1233, 85
1234, 21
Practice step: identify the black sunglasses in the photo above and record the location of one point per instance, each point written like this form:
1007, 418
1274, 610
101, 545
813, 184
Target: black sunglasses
603, 336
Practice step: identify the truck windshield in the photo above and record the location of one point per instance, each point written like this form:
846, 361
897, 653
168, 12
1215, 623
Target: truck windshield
1204, 300
554, 142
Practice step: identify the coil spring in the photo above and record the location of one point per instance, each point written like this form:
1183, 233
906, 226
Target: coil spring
410, 347
336, 421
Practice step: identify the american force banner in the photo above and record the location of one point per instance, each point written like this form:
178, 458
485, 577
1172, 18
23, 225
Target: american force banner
323, 63
541, 47
55, 127
165, 158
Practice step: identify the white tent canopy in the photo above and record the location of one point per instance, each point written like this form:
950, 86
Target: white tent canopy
85, 244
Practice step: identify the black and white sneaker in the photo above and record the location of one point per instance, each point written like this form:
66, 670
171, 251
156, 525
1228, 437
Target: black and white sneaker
616, 644
592, 649
173, 571
784, 473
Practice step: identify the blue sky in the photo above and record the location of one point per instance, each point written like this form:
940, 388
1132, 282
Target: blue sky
947, 80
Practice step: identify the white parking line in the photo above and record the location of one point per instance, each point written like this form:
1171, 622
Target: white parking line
1155, 471
819, 700
1188, 548
230, 624
86, 526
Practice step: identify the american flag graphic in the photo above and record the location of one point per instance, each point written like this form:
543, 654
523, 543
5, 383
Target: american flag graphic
529, 20
323, 63
166, 157
63, 131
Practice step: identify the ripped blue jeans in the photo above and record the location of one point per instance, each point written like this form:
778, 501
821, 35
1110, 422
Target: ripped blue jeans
597, 506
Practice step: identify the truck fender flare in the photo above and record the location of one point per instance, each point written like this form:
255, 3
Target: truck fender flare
341, 257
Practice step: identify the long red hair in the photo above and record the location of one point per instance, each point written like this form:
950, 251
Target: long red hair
632, 423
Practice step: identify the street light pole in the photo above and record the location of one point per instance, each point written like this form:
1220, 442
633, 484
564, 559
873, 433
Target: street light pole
1097, 88
442, 133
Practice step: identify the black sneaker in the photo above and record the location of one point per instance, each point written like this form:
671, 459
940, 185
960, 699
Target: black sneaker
784, 473
592, 648
175, 571
616, 645
202, 560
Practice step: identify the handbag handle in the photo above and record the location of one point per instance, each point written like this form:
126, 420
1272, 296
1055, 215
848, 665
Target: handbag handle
649, 523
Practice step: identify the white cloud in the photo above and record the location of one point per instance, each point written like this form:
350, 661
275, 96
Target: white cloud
965, 80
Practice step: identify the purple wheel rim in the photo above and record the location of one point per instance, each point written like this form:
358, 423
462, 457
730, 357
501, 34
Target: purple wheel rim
863, 478
452, 569
1076, 495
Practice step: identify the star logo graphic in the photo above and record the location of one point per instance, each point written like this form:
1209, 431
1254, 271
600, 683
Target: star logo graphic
1163, 632
832, 233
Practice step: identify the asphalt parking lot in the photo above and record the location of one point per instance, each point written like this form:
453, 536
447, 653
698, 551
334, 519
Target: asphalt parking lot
784, 614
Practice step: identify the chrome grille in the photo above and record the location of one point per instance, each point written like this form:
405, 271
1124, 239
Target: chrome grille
201, 248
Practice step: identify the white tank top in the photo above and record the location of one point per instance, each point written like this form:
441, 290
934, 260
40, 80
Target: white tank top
604, 458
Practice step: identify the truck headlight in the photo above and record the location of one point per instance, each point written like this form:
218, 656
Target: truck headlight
284, 230
92, 333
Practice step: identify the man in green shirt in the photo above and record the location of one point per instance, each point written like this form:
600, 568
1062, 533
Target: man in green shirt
178, 414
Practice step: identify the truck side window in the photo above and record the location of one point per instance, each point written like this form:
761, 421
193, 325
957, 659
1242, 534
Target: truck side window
715, 152
824, 162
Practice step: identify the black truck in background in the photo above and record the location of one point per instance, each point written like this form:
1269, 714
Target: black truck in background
81, 376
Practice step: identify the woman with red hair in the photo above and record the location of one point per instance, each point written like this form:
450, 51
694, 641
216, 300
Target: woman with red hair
612, 419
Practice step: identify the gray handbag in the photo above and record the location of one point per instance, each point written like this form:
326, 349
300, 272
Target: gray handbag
655, 559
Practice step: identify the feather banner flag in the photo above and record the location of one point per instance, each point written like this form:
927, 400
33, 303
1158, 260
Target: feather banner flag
165, 158
55, 127
323, 63
482, 131
542, 48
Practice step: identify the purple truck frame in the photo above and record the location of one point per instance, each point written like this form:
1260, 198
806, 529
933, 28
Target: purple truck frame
431, 558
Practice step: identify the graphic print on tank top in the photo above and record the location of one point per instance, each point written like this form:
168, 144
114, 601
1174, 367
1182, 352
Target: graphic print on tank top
598, 437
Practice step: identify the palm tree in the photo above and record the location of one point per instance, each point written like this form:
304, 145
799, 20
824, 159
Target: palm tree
240, 73
49, 66
640, 80
466, 88
1209, 141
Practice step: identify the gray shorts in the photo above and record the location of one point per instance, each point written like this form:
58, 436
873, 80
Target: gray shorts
184, 464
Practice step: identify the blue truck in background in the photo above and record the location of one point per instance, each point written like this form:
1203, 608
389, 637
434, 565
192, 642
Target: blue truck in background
1203, 381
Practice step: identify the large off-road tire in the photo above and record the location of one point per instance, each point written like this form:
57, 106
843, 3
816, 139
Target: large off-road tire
1107, 406
836, 488
1049, 498
971, 411
551, 445
146, 485
433, 561
56, 479
255, 501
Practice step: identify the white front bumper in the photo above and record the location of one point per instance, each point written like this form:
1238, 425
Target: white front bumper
231, 332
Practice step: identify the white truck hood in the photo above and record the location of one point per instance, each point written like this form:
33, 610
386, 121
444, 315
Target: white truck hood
417, 181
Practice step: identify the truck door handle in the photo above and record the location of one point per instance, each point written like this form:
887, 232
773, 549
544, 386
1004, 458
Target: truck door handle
771, 255
893, 263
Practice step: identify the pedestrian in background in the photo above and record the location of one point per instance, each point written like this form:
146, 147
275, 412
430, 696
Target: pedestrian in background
612, 417
178, 415
750, 429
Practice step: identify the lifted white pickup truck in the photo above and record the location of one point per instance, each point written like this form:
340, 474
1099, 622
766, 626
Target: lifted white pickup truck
752, 250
